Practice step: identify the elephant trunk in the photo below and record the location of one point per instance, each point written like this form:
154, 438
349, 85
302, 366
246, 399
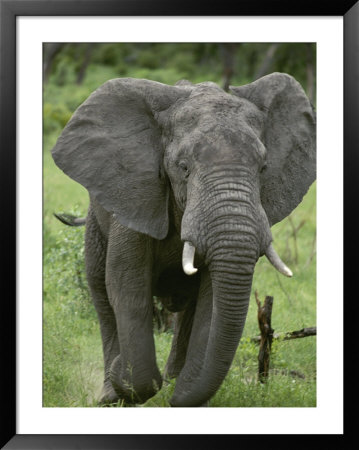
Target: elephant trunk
232, 232
231, 275
232, 225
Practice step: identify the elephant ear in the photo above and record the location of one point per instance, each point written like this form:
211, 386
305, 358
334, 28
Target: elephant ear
289, 135
112, 146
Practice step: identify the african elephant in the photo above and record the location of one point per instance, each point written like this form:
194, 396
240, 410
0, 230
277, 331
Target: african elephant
185, 182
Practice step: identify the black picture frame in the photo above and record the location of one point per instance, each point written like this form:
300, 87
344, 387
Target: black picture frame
9, 10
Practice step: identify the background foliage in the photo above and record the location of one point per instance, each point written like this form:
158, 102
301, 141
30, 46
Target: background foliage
72, 358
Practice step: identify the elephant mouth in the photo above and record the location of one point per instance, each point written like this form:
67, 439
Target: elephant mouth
189, 251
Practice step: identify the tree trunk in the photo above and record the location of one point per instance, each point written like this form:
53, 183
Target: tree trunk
267, 62
264, 321
227, 51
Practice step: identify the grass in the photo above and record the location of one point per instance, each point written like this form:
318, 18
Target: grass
72, 358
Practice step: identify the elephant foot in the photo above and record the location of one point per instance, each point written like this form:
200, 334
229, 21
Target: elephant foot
108, 395
131, 388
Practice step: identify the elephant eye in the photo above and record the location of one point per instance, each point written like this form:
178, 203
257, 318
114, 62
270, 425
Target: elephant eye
263, 168
184, 167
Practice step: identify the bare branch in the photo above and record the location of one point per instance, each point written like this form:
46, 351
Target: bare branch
264, 322
286, 336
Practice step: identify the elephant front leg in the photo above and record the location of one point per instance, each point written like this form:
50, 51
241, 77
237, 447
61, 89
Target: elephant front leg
95, 258
134, 373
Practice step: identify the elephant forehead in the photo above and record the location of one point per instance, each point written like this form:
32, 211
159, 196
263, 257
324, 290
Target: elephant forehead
210, 111
225, 144
194, 109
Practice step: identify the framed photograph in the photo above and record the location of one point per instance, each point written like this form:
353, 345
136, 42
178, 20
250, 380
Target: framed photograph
219, 116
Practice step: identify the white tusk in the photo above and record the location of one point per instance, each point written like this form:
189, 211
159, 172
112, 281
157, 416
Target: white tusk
274, 259
187, 258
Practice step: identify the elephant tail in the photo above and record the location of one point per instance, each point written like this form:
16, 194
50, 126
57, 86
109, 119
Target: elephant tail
70, 220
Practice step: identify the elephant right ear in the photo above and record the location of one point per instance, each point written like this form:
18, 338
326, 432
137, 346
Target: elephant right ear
112, 146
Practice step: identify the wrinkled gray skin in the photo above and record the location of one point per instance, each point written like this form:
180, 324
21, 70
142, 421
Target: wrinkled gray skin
168, 164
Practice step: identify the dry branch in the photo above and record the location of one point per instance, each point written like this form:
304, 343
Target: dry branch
304, 332
264, 322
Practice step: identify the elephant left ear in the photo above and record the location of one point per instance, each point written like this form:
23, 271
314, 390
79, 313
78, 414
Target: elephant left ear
289, 135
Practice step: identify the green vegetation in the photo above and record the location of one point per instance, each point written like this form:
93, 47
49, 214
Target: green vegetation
72, 358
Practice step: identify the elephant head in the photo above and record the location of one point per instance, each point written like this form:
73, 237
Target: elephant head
223, 167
